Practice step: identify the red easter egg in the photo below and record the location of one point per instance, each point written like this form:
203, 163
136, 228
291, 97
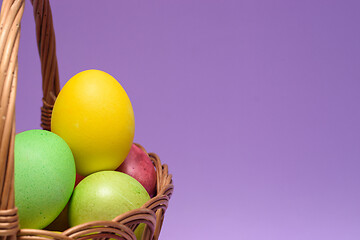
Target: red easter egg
78, 179
139, 166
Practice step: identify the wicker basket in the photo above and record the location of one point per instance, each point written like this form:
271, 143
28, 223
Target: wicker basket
123, 226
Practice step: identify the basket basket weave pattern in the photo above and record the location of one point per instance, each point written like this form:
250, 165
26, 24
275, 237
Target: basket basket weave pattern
123, 226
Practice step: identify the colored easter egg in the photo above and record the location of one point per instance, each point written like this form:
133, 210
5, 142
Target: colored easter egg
94, 115
139, 166
44, 177
105, 195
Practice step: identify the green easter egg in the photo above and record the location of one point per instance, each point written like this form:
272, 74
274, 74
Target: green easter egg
105, 195
44, 177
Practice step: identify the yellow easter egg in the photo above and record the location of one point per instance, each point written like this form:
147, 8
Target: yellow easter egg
94, 115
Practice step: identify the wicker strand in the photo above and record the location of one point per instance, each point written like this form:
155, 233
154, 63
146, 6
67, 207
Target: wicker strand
47, 50
100, 229
9, 223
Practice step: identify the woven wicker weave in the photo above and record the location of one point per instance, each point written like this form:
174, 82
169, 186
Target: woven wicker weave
123, 226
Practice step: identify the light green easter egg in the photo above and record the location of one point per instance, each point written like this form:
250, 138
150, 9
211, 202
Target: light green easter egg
105, 195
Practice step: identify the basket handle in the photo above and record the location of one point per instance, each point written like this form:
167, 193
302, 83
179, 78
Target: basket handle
45, 36
10, 18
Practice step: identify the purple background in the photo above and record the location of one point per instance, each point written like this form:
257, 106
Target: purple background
254, 105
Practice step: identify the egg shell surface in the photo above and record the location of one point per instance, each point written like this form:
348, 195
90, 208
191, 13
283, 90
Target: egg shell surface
139, 166
94, 115
105, 195
44, 177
